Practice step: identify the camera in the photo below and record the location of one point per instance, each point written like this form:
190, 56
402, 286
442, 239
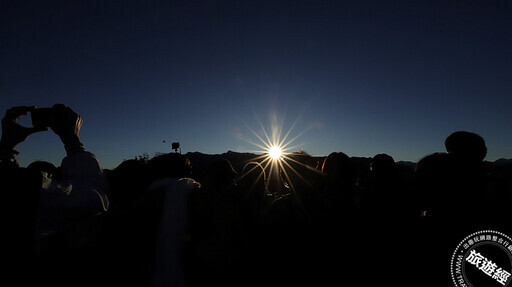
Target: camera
175, 146
43, 118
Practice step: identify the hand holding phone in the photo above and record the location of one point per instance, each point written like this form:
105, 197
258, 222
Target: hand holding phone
43, 118
66, 124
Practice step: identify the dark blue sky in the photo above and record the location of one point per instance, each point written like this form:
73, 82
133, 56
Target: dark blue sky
362, 77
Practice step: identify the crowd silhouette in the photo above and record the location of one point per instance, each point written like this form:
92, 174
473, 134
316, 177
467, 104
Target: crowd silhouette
158, 222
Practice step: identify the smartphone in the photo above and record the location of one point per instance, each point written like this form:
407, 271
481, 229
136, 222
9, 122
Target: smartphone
42, 118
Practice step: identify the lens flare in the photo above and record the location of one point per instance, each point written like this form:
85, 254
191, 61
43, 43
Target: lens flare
275, 153
276, 149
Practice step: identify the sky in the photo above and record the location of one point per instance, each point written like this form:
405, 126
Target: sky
360, 77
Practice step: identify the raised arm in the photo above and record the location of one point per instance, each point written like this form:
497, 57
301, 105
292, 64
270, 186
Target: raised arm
83, 188
13, 134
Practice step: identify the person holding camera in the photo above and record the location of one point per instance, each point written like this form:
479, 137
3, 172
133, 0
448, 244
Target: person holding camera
33, 204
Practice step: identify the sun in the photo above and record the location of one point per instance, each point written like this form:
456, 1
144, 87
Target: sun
275, 153
274, 149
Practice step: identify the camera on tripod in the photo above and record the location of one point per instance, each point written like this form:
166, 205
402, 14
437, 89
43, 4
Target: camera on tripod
176, 146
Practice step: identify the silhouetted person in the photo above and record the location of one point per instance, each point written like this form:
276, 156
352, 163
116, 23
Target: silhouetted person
126, 228
300, 173
468, 151
253, 177
466, 146
338, 187
440, 225
254, 208
43, 166
128, 181
499, 198
384, 198
172, 189
451, 188
386, 213
214, 228
256, 196
51, 208
21, 189
336, 219
289, 220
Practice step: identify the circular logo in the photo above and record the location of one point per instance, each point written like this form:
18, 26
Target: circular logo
483, 259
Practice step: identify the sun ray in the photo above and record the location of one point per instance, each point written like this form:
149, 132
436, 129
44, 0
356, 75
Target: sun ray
272, 163
292, 187
276, 146
263, 148
249, 171
296, 137
259, 137
263, 129
290, 148
294, 171
302, 164
289, 130
262, 152
269, 162
263, 156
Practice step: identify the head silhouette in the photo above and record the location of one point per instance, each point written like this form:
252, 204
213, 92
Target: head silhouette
383, 167
128, 180
339, 168
220, 174
466, 146
170, 165
44, 166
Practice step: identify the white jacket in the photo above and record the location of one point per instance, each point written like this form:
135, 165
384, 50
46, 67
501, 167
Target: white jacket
172, 231
80, 193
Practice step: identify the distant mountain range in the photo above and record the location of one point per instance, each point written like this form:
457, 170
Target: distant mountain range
502, 161
238, 160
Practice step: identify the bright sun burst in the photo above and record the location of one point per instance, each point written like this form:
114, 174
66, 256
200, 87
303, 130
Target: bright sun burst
275, 148
275, 153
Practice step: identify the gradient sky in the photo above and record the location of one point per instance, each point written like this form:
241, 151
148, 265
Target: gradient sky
361, 77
